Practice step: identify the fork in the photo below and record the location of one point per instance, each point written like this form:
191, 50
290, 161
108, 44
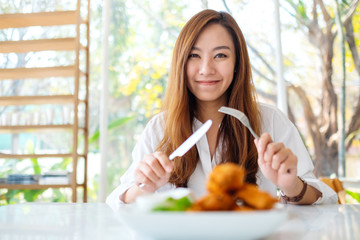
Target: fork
240, 116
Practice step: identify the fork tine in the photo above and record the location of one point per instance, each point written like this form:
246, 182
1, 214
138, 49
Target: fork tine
240, 116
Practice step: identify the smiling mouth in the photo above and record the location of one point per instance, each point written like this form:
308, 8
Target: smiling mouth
208, 82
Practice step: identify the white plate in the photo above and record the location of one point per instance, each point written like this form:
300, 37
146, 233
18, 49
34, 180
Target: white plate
201, 225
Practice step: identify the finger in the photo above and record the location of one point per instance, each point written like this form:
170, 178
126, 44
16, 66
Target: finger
144, 183
156, 167
271, 150
261, 161
166, 164
145, 172
262, 142
149, 172
141, 180
289, 166
279, 157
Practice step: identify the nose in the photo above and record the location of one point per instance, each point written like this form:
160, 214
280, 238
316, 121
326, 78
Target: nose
207, 67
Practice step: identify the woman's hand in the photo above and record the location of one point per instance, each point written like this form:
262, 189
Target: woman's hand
277, 162
153, 172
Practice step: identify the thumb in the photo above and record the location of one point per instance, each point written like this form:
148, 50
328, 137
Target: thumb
260, 155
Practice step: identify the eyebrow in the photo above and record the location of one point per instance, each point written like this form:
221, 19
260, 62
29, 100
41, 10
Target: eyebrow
215, 49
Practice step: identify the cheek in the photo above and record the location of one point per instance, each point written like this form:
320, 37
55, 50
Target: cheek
188, 72
228, 72
228, 77
190, 69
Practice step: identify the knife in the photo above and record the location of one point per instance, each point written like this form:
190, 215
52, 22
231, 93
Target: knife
194, 138
189, 143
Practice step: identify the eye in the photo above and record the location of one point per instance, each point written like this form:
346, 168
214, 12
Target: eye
220, 55
194, 55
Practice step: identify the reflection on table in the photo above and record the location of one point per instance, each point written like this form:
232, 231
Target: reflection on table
98, 221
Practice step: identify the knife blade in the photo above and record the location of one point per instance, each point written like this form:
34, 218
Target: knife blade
191, 141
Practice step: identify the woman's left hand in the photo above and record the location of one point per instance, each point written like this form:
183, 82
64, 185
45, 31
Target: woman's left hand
276, 162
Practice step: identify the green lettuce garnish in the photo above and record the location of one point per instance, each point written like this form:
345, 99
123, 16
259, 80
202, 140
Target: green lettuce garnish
172, 204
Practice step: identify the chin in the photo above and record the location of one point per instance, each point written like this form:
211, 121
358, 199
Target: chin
207, 99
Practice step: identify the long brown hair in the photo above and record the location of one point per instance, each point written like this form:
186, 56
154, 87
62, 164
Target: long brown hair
178, 104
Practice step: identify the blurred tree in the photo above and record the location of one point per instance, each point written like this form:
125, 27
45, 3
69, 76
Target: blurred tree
320, 113
323, 125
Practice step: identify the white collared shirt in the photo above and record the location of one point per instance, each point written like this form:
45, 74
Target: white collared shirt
274, 122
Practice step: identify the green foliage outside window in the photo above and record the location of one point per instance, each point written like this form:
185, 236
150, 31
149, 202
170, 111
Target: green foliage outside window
142, 35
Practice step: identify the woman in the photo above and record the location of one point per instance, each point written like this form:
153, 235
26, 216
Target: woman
211, 68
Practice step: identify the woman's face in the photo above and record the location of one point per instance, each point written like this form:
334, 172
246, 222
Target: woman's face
210, 66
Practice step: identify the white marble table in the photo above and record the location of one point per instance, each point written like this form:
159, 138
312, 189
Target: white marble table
98, 221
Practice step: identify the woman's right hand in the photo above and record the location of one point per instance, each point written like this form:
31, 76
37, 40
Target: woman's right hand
153, 172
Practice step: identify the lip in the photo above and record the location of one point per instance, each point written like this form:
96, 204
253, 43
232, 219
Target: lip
207, 82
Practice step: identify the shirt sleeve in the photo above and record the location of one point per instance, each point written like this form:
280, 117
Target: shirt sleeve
147, 144
283, 130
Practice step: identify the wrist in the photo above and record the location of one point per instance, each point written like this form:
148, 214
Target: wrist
294, 189
132, 193
296, 193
